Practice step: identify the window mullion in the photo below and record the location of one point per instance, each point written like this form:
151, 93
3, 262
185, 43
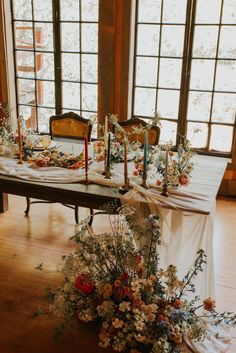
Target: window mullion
186, 68
57, 55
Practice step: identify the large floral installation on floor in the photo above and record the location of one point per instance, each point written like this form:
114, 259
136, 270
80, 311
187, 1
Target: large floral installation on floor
137, 306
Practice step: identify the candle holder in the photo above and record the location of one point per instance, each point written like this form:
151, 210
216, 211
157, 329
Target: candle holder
105, 162
144, 182
107, 172
125, 188
20, 155
165, 190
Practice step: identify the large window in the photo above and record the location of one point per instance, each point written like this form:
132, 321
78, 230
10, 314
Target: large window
56, 52
185, 68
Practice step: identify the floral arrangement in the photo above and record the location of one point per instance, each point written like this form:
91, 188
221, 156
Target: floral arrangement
179, 166
116, 151
54, 158
138, 306
9, 137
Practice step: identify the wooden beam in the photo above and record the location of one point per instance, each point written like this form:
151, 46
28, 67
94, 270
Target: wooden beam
113, 61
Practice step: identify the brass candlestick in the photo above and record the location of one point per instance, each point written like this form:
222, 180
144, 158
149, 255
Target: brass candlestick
19, 141
165, 190
144, 181
125, 188
105, 162
107, 172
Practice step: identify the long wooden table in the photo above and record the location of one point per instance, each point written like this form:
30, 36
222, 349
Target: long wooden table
206, 180
91, 196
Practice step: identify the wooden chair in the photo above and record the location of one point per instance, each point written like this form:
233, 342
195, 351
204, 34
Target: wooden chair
67, 126
129, 125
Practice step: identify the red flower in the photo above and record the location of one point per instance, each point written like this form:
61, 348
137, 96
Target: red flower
158, 182
136, 172
124, 276
85, 284
184, 179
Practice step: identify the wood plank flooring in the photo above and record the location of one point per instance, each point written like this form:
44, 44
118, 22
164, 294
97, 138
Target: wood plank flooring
43, 238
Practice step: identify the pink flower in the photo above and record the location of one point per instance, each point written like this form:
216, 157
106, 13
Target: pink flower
184, 179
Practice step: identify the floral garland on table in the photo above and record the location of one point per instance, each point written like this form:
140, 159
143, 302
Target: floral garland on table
138, 307
54, 158
179, 168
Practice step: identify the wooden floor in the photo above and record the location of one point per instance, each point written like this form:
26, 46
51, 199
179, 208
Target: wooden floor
43, 238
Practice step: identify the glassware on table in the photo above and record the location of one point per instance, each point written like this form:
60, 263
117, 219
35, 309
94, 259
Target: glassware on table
45, 141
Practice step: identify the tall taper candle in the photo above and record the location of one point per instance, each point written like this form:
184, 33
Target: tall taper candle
86, 154
19, 139
145, 151
125, 166
105, 132
109, 150
166, 166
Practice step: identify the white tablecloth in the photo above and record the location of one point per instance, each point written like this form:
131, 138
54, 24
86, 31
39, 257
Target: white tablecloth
187, 219
187, 215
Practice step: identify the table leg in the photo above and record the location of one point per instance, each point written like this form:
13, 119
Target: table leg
3, 202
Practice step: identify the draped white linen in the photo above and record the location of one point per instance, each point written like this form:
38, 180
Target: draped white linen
187, 218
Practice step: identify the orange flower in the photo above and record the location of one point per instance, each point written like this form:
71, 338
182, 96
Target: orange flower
178, 303
209, 304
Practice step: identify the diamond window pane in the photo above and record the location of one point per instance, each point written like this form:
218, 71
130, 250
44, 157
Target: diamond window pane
168, 103
229, 12
43, 36
22, 9
89, 37
89, 68
226, 75
25, 64
168, 131
148, 39
221, 138
42, 10
43, 118
227, 47
202, 72
145, 101
89, 9
70, 67
45, 93
70, 37
172, 40
26, 91
71, 95
170, 73
205, 41
45, 66
197, 134
149, 11
89, 97
174, 11
224, 108
199, 105
146, 71
24, 35
69, 10
208, 11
